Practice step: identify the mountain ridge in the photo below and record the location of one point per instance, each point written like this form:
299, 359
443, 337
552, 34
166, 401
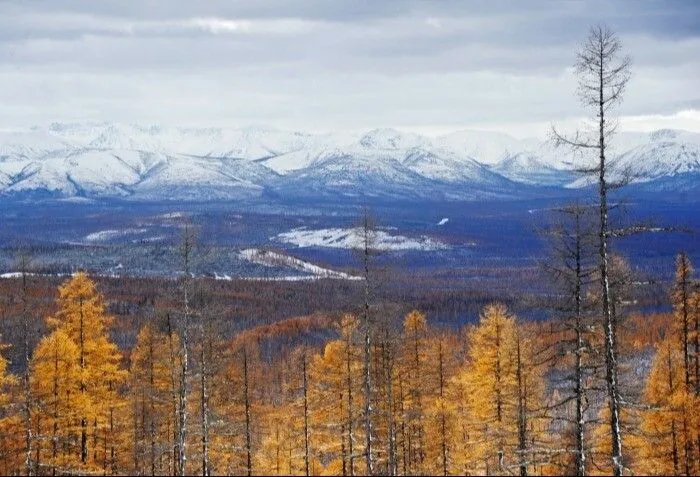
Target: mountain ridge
151, 162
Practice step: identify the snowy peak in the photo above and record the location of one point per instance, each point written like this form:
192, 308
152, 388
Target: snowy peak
96, 159
530, 169
486, 146
660, 158
391, 139
30, 144
448, 167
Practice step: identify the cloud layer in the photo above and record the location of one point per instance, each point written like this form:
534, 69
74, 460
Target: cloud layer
427, 65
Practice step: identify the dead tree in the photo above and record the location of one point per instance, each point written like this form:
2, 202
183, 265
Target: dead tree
186, 248
571, 268
246, 391
23, 266
367, 251
603, 76
306, 415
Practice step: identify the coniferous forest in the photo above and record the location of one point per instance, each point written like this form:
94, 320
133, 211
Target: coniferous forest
188, 375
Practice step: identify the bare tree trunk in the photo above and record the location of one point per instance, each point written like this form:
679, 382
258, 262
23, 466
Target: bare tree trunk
602, 81
443, 424
175, 455
151, 399
522, 416
306, 418
674, 446
348, 383
578, 369
610, 325
367, 384
682, 288
186, 250
388, 376
182, 396
342, 445
29, 465
249, 453
204, 403
404, 459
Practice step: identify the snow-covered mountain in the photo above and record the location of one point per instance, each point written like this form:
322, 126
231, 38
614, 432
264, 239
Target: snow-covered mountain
156, 163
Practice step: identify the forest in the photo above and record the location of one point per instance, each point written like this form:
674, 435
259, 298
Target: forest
187, 392
193, 376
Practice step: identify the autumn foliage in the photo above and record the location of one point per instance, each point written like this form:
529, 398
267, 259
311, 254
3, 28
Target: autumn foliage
485, 399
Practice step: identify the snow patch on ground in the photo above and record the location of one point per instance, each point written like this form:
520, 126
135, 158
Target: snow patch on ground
172, 215
104, 235
273, 259
352, 238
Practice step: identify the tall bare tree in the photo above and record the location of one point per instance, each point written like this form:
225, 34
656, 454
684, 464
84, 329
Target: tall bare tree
306, 414
572, 269
28, 337
367, 250
603, 75
187, 245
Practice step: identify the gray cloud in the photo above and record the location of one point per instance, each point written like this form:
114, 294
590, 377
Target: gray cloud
331, 64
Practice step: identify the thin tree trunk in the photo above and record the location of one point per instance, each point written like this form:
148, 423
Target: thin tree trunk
187, 246
391, 441
306, 419
83, 420
54, 436
578, 371
175, 454
609, 317
152, 426
674, 446
443, 424
182, 397
499, 402
367, 385
29, 467
522, 416
684, 272
249, 462
348, 383
204, 402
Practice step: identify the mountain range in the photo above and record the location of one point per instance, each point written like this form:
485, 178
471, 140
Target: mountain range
109, 160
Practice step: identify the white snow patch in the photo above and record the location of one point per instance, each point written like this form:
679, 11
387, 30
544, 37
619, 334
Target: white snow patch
13, 275
274, 259
112, 233
172, 215
352, 238
443, 221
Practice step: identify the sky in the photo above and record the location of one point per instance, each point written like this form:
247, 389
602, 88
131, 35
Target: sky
428, 66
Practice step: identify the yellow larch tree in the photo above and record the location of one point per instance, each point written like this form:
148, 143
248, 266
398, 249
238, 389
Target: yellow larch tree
414, 388
661, 442
10, 424
686, 331
238, 396
55, 377
335, 376
440, 412
154, 404
82, 317
502, 390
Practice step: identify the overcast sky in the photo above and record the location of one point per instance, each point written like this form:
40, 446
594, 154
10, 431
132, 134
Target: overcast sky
422, 65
